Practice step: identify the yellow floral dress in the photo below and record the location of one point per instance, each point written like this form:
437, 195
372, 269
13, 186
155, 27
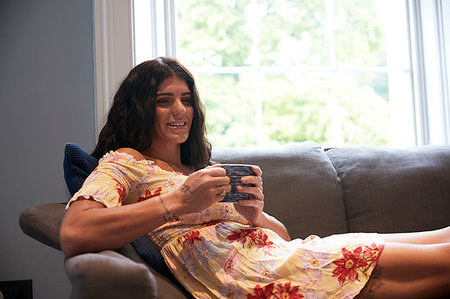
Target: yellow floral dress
217, 254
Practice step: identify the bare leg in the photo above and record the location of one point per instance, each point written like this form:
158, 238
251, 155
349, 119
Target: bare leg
410, 271
427, 237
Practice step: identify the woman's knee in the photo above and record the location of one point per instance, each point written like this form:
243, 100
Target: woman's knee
446, 233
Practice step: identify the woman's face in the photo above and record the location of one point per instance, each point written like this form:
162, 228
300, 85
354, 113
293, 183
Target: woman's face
174, 112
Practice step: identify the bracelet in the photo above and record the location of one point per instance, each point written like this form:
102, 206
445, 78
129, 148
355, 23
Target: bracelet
167, 217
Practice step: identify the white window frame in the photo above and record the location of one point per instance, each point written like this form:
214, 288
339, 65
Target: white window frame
114, 51
430, 46
430, 58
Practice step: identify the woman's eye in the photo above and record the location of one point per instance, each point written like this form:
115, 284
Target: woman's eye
162, 101
187, 101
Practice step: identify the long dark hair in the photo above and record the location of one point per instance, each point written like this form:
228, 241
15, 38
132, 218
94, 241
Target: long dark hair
131, 117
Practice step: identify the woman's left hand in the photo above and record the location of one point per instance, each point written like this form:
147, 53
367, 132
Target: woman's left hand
252, 208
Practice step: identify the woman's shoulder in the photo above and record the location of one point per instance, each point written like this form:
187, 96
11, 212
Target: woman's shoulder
132, 152
126, 156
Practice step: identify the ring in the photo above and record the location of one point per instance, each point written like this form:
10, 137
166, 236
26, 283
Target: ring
223, 192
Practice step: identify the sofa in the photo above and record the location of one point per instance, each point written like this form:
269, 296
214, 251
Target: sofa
311, 189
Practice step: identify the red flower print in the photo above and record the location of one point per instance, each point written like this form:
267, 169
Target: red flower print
189, 238
242, 235
285, 291
255, 236
372, 252
121, 191
262, 240
261, 293
228, 265
149, 194
348, 265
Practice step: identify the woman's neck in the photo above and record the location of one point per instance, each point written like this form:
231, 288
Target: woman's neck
167, 157
165, 152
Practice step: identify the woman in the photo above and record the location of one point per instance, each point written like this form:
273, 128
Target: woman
155, 177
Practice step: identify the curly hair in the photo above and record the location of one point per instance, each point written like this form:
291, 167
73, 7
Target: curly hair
131, 117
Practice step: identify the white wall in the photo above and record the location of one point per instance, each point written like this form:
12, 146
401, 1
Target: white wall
46, 100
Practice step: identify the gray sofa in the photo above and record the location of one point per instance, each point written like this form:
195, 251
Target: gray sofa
310, 189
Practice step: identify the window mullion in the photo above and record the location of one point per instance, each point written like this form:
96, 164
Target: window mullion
418, 73
154, 28
333, 106
257, 87
443, 64
170, 29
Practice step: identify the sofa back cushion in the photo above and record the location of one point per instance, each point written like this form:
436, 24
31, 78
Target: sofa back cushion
300, 186
394, 190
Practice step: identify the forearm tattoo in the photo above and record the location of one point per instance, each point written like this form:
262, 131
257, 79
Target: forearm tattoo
185, 189
167, 216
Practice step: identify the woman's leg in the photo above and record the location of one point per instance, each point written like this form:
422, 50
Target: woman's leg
427, 237
410, 271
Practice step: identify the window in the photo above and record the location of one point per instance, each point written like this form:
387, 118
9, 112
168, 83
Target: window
333, 71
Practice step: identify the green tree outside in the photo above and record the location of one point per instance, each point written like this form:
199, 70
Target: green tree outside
296, 106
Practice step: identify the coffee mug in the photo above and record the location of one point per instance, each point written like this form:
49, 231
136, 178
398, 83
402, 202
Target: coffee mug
235, 172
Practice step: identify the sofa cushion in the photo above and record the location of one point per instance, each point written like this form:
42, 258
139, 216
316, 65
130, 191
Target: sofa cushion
301, 187
394, 190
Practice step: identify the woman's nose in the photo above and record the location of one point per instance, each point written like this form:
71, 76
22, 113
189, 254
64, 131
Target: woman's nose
178, 107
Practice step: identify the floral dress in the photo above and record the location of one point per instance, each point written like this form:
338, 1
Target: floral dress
216, 253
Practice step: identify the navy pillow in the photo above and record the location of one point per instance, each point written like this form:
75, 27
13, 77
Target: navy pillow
77, 166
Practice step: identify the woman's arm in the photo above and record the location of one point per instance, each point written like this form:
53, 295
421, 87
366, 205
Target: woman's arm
88, 226
263, 219
252, 209
274, 224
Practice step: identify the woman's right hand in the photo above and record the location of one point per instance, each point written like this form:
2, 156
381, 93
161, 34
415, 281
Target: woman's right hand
204, 188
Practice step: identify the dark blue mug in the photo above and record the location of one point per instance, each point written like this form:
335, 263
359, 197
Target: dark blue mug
235, 172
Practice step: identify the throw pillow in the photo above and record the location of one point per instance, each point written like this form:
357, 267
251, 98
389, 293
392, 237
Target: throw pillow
77, 166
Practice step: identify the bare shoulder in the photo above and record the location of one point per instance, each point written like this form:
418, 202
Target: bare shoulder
128, 150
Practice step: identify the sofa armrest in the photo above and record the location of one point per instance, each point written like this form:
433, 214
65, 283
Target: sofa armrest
167, 288
93, 274
108, 274
42, 223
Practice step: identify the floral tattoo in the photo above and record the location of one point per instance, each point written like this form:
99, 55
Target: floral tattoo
375, 283
167, 217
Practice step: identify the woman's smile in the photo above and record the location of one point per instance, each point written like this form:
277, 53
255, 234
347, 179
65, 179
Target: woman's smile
177, 125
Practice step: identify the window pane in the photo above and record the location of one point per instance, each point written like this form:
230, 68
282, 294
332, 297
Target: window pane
229, 108
292, 33
213, 33
296, 108
278, 71
359, 34
364, 109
